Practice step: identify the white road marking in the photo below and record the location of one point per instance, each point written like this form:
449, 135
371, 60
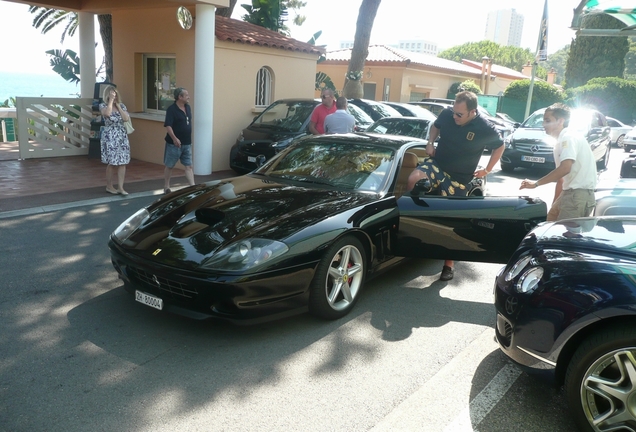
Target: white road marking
434, 407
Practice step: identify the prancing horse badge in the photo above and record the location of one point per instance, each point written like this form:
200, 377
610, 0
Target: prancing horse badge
470, 136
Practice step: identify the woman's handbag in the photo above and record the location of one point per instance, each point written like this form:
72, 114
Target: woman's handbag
129, 127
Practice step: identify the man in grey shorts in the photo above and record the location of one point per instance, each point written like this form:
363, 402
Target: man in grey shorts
575, 171
178, 124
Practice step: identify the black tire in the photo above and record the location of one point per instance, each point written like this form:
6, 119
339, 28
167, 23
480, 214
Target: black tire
507, 168
336, 287
627, 149
619, 141
600, 381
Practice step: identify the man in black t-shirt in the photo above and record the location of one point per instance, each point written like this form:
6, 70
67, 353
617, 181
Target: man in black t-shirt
464, 135
178, 124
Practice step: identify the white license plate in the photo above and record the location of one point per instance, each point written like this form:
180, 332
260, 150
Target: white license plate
149, 300
251, 159
533, 159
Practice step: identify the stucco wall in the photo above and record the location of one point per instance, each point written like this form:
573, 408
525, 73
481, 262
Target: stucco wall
137, 32
404, 80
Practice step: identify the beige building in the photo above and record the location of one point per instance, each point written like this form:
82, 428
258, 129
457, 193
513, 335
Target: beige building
397, 75
231, 68
252, 68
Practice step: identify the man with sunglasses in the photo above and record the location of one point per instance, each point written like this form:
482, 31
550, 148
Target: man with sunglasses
317, 120
463, 136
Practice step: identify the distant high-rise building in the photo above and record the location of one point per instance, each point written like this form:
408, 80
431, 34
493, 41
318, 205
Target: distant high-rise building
419, 46
504, 27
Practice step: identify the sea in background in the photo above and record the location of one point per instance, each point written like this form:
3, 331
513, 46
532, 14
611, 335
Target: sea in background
13, 84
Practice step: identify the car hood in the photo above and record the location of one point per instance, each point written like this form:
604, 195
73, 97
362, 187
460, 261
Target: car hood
597, 235
531, 135
191, 226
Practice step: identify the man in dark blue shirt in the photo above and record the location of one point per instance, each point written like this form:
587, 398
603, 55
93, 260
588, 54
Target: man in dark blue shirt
178, 124
464, 135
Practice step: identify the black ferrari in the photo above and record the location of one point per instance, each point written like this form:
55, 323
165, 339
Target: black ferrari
566, 309
305, 230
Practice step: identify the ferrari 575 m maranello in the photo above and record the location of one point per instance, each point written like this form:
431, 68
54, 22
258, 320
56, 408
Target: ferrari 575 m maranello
305, 230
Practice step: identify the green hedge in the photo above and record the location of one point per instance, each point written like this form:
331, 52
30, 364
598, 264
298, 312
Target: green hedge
614, 97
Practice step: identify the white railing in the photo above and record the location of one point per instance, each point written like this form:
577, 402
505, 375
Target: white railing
50, 127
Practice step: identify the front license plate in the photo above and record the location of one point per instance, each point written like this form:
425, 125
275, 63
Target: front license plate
251, 159
149, 300
533, 159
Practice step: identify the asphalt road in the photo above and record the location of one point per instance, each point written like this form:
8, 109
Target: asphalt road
79, 354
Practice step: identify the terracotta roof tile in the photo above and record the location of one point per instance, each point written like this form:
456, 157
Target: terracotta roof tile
233, 30
385, 54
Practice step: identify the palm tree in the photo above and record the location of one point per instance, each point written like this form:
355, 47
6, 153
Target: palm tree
48, 18
360, 50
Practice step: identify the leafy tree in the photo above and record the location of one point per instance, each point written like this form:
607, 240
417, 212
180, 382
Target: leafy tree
66, 64
557, 61
630, 60
272, 14
511, 57
468, 85
360, 51
596, 56
541, 91
47, 19
612, 96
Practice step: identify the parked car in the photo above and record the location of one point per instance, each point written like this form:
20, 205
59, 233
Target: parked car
275, 128
507, 119
566, 309
629, 141
530, 147
409, 110
439, 100
434, 107
618, 130
376, 110
437, 107
415, 127
304, 231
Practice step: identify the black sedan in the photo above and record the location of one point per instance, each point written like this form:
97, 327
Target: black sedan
566, 309
406, 126
304, 231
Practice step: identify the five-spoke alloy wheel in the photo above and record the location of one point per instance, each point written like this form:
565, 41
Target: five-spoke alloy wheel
339, 279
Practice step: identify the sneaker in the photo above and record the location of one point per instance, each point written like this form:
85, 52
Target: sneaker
447, 273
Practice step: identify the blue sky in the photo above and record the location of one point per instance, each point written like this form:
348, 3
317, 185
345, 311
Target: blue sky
447, 23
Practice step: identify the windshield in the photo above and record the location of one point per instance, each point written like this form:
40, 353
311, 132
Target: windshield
402, 126
579, 120
343, 165
285, 116
384, 110
361, 117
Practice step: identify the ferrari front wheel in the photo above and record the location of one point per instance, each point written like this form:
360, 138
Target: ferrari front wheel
600, 383
338, 280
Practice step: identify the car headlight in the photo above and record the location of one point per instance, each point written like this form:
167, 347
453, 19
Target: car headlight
123, 231
508, 141
518, 267
529, 281
240, 137
245, 254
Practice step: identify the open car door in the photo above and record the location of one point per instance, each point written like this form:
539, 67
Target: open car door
483, 229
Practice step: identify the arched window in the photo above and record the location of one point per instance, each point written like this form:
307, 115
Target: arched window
263, 87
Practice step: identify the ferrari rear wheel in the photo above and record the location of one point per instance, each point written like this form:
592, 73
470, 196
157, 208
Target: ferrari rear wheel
600, 383
339, 279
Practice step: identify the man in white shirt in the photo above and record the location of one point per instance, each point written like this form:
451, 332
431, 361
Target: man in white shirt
340, 121
575, 171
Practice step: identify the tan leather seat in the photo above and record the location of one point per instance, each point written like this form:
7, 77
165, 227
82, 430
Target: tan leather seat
409, 163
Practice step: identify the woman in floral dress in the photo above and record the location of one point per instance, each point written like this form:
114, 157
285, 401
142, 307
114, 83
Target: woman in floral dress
114, 139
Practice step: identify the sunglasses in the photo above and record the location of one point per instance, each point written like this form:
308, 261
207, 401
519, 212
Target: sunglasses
458, 115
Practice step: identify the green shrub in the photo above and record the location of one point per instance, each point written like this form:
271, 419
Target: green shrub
541, 91
614, 97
